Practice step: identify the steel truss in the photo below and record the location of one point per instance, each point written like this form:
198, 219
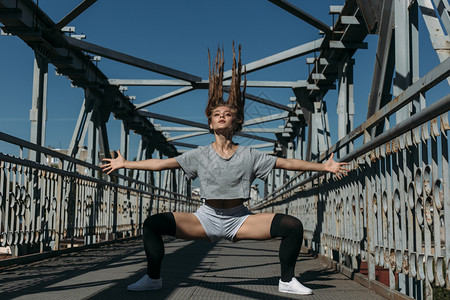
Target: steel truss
390, 211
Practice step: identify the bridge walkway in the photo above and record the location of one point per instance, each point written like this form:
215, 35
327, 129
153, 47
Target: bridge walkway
191, 270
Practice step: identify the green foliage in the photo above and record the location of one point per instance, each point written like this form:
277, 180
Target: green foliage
440, 293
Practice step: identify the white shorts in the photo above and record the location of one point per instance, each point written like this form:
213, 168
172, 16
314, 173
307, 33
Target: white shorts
222, 223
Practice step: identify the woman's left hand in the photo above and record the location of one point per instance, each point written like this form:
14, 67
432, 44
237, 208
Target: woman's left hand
337, 168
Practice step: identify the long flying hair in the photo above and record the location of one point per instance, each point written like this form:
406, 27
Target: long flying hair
236, 97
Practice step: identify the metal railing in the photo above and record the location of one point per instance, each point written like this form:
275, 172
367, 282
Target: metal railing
393, 209
45, 208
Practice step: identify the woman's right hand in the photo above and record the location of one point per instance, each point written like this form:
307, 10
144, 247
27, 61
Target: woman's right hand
113, 163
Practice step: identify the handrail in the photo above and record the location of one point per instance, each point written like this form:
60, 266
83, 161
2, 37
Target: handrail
23, 143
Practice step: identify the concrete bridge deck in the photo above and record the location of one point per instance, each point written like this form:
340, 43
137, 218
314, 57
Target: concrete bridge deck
191, 270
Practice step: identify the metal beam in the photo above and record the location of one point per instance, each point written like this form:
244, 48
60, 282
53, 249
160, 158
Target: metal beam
302, 15
379, 78
349, 20
93, 126
74, 13
371, 12
267, 130
130, 60
280, 57
263, 101
124, 147
165, 97
255, 137
204, 84
403, 78
443, 9
180, 129
185, 136
266, 119
438, 38
38, 112
336, 9
272, 84
10, 13
103, 142
186, 145
345, 108
172, 119
149, 82
197, 124
347, 45
203, 131
79, 129
318, 76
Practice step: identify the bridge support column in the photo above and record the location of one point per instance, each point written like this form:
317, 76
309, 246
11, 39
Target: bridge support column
174, 188
93, 136
38, 112
89, 122
124, 146
345, 106
38, 116
300, 143
406, 71
158, 182
319, 136
300, 146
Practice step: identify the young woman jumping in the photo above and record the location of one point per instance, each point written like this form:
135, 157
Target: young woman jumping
225, 171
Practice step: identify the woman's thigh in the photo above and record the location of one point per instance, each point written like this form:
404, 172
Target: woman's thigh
189, 227
255, 227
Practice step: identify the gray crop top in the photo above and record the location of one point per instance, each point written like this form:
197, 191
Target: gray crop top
226, 178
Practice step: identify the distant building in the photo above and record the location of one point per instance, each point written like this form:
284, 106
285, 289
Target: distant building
195, 193
55, 162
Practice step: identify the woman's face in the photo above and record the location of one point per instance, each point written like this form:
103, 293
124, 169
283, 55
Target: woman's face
222, 118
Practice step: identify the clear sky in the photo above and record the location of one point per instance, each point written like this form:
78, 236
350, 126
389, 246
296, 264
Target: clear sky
177, 34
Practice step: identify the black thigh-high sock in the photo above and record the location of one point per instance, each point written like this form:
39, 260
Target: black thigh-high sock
291, 231
154, 227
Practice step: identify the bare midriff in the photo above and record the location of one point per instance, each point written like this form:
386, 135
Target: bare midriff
225, 203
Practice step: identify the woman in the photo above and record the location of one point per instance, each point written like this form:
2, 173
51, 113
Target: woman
226, 171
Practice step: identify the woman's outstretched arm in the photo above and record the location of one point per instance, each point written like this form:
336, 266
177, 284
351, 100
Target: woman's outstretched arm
149, 164
330, 165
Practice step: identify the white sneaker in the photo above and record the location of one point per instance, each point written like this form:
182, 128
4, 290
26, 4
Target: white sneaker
294, 287
146, 284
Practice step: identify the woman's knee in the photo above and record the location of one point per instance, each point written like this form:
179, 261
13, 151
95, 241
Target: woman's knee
162, 223
283, 225
296, 224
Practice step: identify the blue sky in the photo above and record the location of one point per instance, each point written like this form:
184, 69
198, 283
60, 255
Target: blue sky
177, 34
